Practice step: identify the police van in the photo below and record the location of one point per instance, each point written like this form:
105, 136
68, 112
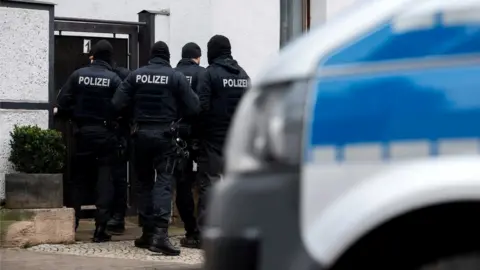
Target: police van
358, 147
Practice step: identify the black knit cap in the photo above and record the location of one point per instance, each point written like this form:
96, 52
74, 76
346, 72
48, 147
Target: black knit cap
218, 46
160, 49
102, 50
191, 50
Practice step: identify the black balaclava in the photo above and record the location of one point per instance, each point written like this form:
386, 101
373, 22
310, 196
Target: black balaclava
103, 50
191, 51
218, 46
160, 49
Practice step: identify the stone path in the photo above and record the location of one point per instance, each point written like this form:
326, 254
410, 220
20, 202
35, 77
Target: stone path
118, 255
16, 259
122, 250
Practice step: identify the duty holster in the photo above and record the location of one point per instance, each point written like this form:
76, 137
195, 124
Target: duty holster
180, 148
120, 131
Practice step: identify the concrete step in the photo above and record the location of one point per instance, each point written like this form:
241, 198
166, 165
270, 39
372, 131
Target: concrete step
29, 227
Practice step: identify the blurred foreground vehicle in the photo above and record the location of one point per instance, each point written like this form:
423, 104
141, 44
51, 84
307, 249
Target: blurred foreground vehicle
359, 148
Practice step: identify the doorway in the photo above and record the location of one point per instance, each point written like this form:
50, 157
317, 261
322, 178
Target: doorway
72, 53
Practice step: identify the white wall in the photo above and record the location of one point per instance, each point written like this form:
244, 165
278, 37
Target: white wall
335, 7
24, 50
253, 28
324, 10
24, 37
190, 21
318, 12
162, 28
122, 10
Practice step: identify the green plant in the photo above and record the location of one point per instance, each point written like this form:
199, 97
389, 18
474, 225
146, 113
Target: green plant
36, 150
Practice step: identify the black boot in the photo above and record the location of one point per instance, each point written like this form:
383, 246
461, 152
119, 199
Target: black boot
100, 235
116, 225
145, 240
77, 222
191, 240
161, 243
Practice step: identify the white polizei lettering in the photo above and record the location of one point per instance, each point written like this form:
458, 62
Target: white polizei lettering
151, 79
164, 80
93, 81
238, 83
189, 78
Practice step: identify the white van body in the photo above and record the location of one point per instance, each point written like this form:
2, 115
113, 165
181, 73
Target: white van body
361, 130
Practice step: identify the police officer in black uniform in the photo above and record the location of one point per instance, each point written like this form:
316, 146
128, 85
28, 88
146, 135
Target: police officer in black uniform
86, 99
116, 224
159, 95
189, 65
220, 91
121, 71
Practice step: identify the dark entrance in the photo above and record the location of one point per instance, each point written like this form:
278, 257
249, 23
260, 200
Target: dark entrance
70, 55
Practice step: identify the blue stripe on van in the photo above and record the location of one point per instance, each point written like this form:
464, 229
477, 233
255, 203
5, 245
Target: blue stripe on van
432, 104
383, 44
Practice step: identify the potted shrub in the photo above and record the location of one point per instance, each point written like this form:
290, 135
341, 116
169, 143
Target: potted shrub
38, 157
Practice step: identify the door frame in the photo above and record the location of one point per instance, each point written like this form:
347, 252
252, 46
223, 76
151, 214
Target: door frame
306, 16
132, 29
68, 58
141, 36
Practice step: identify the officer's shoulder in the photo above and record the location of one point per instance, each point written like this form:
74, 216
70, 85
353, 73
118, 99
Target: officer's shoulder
112, 73
242, 70
177, 73
180, 70
122, 69
211, 68
139, 70
82, 69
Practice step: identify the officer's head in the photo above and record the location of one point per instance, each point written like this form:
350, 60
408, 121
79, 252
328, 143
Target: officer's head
160, 49
192, 51
102, 50
218, 46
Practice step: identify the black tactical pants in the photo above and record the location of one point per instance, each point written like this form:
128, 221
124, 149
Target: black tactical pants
96, 155
153, 155
120, 183
184, 200
210, 166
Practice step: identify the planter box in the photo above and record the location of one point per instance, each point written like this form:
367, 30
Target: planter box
33, 191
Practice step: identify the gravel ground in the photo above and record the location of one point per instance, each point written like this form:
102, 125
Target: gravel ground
122, 250
20, 259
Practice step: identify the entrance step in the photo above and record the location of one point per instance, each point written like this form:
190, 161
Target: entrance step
30, 227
